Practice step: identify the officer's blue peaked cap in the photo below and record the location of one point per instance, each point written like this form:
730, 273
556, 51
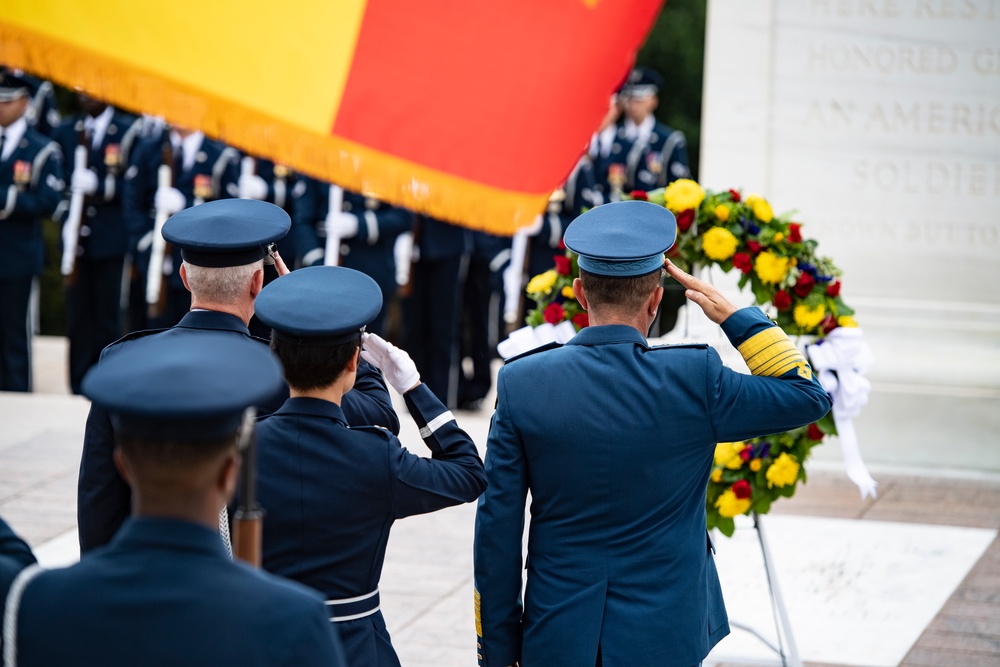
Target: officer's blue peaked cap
183, 388
642, 82
12, 86
319, 305
622, 239
226, 232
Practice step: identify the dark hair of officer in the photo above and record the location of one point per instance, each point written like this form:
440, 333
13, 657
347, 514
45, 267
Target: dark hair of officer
313, 367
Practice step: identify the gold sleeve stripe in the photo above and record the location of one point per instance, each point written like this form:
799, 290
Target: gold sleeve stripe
770, 353
479, 620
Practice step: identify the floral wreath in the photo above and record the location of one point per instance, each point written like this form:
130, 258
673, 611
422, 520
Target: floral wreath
797, 287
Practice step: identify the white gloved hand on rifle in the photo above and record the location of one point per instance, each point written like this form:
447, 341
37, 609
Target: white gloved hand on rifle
83, 180
252, 186
399, 369
169, 200
344, 225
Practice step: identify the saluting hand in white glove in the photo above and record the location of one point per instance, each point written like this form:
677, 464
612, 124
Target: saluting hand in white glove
399, 369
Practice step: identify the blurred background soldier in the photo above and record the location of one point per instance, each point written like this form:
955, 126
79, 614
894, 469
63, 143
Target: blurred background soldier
164, 592
42, 114
332, 492
367, 229
201, 170
31, 185
94, 281
433, 302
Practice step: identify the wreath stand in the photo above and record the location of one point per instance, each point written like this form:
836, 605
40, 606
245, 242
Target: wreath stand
789, 654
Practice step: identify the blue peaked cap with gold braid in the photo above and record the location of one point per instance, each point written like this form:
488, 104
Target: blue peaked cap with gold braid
622, 239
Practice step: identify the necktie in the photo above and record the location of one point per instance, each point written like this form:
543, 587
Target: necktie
3, 138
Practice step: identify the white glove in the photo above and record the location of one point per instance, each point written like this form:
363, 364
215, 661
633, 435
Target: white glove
252, 186
169, 200
344, 225
83, 180
399, 369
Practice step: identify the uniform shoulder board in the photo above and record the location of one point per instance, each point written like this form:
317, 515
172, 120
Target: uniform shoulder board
381, 430
541, 348
135, 335
681, 346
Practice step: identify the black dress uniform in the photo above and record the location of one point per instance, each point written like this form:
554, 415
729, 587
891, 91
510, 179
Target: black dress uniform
211, 172
332, 491
164, 592
31, 185
241, 231
433, 307
93, 296
369, 251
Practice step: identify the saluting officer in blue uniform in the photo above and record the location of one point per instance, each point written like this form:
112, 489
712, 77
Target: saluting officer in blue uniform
433, 306
223, 244
331, 490
93, 293
368, 229
202, 170
615, 441
646, 154
31, 185
164, 592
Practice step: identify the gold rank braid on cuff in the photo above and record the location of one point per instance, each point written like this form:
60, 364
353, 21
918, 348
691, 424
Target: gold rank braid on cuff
772, 354
479, 619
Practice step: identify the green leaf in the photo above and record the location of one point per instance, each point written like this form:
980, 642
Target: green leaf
726, 526
827, 425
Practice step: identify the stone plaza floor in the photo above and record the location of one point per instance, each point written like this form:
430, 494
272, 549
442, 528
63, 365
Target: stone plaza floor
911, 578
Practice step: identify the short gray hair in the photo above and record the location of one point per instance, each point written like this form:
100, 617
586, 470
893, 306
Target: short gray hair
223, 284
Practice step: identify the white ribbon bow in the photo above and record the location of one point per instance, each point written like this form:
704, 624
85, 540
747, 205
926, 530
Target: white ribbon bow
841, 360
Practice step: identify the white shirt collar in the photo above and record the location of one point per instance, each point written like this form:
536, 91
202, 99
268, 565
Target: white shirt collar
191, 144
640, 131
98, 126
12, 135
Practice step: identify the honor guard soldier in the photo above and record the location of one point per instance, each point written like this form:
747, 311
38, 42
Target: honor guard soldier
94, 258
31, 185
615, 442
223, 245
164, 591
332, 491
200, 170
367, 229
42, 114
646, 154
433, 305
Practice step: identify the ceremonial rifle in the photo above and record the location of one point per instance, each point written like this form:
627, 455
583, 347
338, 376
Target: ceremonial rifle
156, 286
331, 256
248, 521
74, 219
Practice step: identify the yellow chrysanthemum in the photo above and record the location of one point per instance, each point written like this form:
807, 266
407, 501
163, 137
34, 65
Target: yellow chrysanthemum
542, 283
761, 209
728, 454
722, 212
779, 237
717, 475
770, 268
729, 505
784, 471
568, 293
846, 321
719, 244
807, 317
755, 465
683, 194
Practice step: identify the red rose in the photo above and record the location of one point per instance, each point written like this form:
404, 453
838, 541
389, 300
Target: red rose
743, 262
562, 265
554, 313
746, 453
804, 285
561, 246
581, 320
741, 489
829, 323
735, 195
833, 289
795, 233
639, 195
814, 433
754, 246
782, 300
685, 219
